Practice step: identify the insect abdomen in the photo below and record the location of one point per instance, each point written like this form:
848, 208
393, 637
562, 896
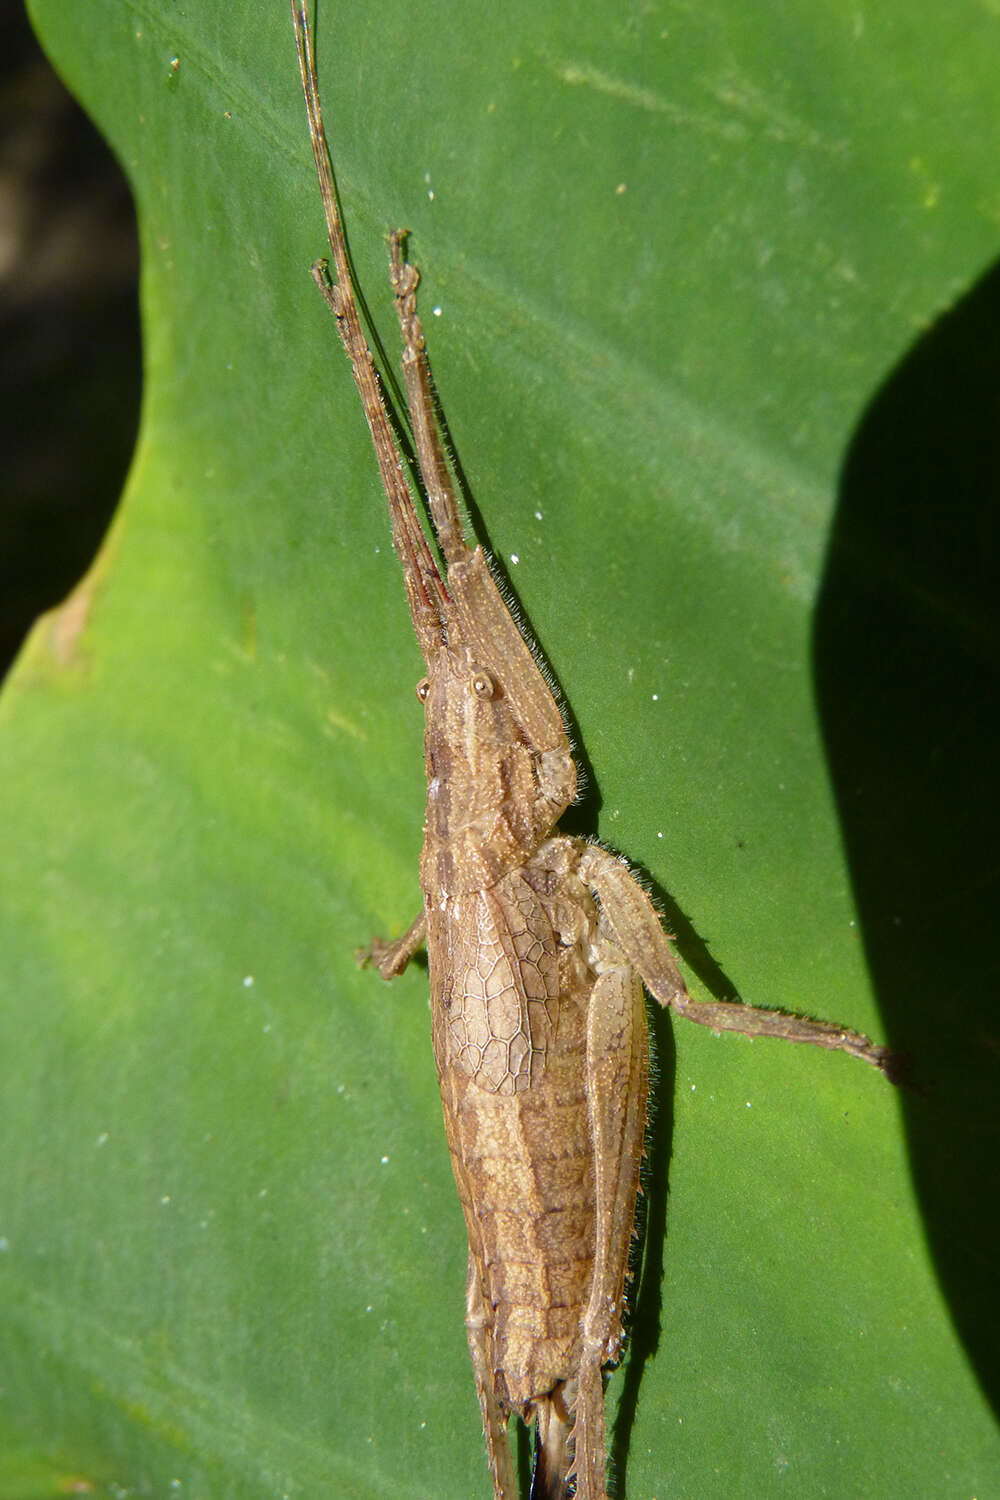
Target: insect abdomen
524, 1168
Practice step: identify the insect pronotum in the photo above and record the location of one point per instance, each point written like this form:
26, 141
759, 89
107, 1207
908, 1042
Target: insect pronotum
539, 945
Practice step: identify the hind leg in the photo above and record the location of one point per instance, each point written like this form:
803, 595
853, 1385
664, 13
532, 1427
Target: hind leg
616, 1098
494, 1418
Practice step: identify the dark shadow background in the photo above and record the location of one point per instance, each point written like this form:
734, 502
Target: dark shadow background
70, 369
906, 656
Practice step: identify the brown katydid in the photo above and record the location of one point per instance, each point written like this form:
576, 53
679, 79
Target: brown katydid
539, 945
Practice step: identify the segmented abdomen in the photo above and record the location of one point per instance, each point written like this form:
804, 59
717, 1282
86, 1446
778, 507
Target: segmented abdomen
510, 1041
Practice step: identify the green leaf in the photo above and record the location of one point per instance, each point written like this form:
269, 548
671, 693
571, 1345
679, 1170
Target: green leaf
670, 255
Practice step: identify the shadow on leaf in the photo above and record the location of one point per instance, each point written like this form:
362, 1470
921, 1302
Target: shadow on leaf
906, 657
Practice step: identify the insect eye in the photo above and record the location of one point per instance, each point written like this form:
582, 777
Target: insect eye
483, 685
423, 688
